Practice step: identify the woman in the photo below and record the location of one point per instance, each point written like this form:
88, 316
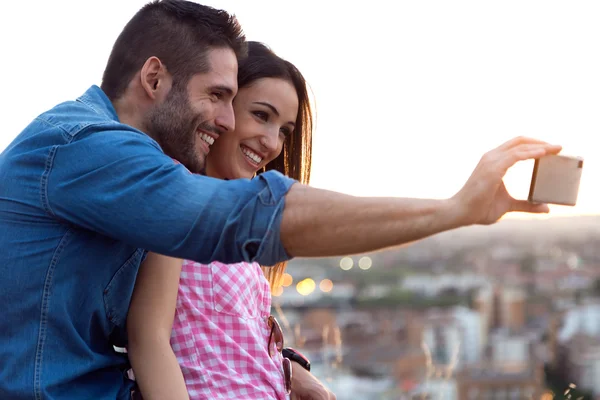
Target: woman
216, 317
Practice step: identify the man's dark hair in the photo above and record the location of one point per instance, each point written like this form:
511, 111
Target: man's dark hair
180, 33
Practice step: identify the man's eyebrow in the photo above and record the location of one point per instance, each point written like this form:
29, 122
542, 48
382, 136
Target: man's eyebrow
262, 103
223, 88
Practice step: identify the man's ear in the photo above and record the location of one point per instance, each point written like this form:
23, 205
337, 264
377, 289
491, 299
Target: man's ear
155, 79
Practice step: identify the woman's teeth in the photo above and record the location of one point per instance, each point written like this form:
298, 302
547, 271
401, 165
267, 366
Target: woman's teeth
251, 155
208, 139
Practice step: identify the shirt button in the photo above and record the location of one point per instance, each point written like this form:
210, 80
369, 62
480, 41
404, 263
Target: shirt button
218, 308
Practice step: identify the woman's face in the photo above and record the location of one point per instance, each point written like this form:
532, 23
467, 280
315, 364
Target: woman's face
265, 114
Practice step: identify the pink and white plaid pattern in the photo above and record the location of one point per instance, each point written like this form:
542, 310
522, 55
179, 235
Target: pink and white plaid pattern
220, 333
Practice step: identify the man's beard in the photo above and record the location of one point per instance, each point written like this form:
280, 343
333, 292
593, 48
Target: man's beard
174, 125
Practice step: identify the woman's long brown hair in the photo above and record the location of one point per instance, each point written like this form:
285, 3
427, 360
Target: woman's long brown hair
296, 156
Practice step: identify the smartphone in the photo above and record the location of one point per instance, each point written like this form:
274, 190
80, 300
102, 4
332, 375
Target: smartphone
555, 180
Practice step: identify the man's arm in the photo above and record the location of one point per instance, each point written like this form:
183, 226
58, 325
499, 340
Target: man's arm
322, 223
121, 185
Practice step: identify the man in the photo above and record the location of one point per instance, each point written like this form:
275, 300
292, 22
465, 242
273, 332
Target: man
90, 185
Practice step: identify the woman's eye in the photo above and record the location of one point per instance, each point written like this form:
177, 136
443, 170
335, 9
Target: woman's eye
286, 132
261, 115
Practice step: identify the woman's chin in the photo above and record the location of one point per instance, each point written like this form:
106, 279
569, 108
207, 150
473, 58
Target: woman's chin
240, 175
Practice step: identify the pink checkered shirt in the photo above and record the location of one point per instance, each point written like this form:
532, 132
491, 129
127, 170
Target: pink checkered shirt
220, 333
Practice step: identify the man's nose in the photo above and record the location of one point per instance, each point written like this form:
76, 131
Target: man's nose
226, 118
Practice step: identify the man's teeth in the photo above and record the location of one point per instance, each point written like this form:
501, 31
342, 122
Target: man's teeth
208, 139
251, 155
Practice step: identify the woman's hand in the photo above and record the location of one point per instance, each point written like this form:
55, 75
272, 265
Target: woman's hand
306, 387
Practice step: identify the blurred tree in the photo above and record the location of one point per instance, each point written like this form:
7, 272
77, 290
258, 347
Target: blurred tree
596, 287
528, 264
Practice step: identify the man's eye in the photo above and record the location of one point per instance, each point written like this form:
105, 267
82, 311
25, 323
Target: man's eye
218, 95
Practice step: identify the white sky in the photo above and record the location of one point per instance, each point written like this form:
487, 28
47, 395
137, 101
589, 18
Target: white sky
409, 94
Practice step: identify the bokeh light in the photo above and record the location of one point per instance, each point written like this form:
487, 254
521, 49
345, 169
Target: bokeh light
365, 263
286, 280
326, 285
278, 291
306, 286
346, 263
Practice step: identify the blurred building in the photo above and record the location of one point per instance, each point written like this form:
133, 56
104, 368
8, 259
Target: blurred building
581, 361
436, 387
496, 381
433, 285
577, 345
581, 319
453, 336
509, 347
501, 307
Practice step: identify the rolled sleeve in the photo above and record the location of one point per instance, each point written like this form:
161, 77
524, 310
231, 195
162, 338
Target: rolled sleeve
120, 184
262, 243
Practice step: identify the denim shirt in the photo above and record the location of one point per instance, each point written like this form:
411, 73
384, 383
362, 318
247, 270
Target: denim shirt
81, 196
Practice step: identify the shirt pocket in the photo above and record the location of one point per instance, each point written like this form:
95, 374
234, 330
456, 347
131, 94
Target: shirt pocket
236, 289
117, 296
